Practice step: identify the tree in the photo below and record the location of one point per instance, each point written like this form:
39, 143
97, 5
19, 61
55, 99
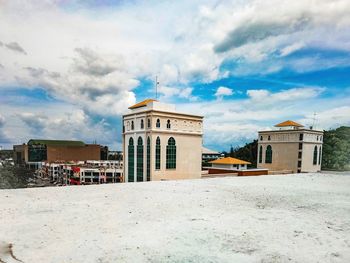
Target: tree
247, 153
336, 149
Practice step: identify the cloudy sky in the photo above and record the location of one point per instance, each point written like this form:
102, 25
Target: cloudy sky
70, 69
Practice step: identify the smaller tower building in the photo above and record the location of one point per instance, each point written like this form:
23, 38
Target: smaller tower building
290, 147
160, 143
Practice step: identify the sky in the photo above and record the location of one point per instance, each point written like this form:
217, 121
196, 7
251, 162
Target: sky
71, 69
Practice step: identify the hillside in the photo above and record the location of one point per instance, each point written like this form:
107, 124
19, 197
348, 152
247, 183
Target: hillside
248, 152
336, 149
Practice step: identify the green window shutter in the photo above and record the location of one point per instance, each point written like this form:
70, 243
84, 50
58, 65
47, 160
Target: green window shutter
268, 155
158, 153
148, 159
319, 155
171, 154
260, 154
139, 167
131, 160
315, 156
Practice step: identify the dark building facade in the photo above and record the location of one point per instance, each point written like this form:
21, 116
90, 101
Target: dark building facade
58, 150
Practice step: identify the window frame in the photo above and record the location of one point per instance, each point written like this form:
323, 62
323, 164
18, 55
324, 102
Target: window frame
268, 154
171, 154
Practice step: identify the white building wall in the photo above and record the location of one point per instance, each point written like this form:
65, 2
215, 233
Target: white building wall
185, 129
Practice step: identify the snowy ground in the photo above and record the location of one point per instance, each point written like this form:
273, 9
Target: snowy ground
289, 218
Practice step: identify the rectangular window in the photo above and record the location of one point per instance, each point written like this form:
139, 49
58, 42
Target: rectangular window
299, 155
301, 136
300, 146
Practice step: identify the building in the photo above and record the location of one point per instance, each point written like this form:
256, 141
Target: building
160, 143
229, 163
290, 147
209, 155
88, 172
37, 151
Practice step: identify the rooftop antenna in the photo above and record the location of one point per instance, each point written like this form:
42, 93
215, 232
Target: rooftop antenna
157, 83
314, 120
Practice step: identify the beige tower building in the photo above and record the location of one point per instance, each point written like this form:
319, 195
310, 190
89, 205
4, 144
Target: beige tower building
160, 143
290, 147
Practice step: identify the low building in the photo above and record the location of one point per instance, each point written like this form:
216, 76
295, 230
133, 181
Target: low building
37, 151
88, 172
229, 163
160, 143
290, 147
209, 155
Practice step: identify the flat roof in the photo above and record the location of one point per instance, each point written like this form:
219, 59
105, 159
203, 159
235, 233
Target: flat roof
165, 112
56, 142
292, 130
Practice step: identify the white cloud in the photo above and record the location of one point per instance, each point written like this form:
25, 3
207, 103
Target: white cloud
264, 96
93, 59
179, 49
239, 120
168, 92
330, 118
223, 91
291, 48
58, 120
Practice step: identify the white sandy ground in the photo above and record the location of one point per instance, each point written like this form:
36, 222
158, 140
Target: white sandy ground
288, 218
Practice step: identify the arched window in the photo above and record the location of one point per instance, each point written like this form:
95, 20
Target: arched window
158, 123
261, 138
148, 159
316, 138
168, 124
158, 153
139, 167
319, 155
268, 154
269, 138
148, 123
315, 156
128, 126
123, 128
132, 125
131, 166
171, 154
142, 124
260, 154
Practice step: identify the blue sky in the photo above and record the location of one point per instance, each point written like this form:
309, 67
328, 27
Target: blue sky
70, 69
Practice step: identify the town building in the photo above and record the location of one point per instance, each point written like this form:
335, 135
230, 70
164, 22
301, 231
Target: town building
37, 151
160, 143
209, 155
87, 172
229, 163
290, 147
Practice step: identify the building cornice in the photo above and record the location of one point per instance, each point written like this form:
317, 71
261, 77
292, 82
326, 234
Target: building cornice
163, 113
294, 131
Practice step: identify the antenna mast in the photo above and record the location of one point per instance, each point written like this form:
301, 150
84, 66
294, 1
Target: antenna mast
314, 120
157, 82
